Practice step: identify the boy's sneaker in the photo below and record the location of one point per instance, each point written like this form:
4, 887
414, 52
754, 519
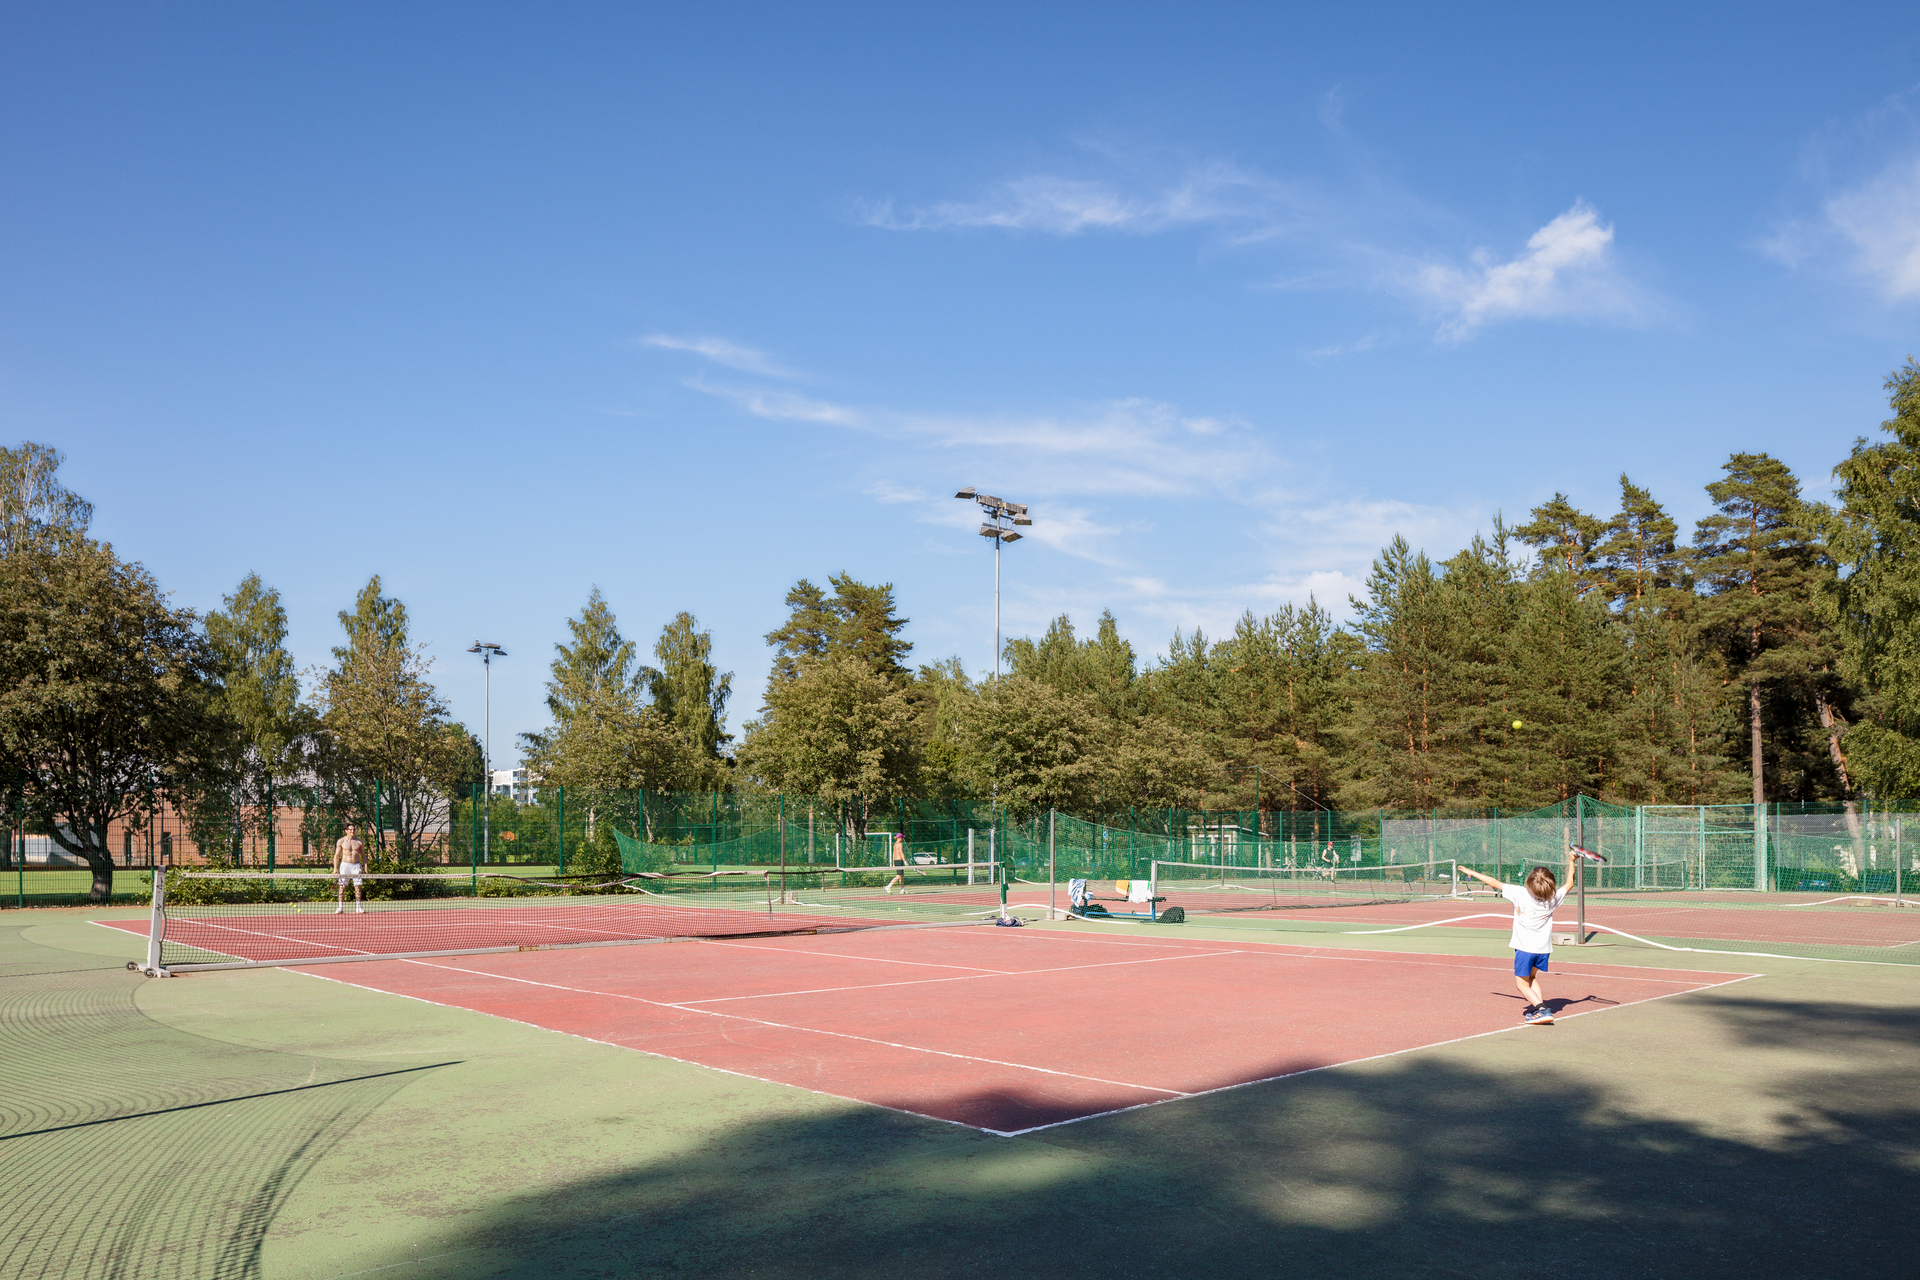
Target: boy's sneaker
1543, 1016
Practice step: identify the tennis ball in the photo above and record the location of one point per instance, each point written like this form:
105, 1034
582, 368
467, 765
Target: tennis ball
1516, 724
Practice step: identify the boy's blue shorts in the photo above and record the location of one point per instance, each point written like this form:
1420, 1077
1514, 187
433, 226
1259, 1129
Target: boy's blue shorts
1525, 962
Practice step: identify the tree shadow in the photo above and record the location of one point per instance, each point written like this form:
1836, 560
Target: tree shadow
1421, 1168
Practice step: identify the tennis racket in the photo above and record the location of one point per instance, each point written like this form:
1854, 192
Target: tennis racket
1588, 854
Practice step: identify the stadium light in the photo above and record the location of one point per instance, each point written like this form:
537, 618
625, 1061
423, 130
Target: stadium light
1001, 516
488, 651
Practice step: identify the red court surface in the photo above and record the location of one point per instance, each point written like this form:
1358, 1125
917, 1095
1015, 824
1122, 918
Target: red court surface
1007, 1030
279, 933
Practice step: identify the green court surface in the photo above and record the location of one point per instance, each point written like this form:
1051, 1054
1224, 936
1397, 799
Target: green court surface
277, 1124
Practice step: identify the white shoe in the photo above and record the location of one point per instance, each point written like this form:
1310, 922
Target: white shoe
359, 911
338, 910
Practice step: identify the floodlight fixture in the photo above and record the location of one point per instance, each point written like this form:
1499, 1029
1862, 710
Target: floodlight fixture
488, 651
1000, 515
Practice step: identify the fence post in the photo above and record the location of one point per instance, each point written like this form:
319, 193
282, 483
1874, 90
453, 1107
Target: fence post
473, 841
560, 831
1760, 847
273, 821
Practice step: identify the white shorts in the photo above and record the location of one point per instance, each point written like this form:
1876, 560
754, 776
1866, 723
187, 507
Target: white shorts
352, 869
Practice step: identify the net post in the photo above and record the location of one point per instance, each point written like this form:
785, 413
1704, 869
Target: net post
157, 930
1153, 892
1580, 866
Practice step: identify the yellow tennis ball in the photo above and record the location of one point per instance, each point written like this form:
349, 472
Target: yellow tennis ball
1516, 724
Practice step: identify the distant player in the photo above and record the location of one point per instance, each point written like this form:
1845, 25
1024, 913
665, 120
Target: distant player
1331, 856
899, 880
1534, 903
349, 862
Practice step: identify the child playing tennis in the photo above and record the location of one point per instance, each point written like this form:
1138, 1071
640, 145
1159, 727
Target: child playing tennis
1534, 902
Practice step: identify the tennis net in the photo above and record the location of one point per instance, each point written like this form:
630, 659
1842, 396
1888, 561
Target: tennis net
234, 920
1200, 888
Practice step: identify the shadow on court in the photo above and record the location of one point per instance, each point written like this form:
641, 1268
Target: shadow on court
132, 1149
1420, 1170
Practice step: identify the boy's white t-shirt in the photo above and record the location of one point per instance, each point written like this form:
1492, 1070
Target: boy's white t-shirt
1532, 918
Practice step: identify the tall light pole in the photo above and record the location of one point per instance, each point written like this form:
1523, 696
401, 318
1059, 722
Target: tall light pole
488, 652
1001, 516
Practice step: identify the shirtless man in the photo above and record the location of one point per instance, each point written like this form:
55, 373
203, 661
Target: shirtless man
899, 863
349, 860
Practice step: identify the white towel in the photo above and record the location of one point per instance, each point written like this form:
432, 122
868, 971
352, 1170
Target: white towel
1140, 891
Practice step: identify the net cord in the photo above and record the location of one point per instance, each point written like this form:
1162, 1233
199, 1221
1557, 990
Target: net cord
158, 971
1633, 937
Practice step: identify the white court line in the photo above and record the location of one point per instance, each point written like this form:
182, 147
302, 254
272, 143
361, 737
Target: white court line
784, 1026
1291, 950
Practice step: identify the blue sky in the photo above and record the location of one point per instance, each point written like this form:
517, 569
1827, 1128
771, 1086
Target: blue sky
688, 302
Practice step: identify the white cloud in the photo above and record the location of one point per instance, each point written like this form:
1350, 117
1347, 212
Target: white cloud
1879, 220
1129, 448
1354, 235
1566, 271
1052, 204
780, 406
720, 351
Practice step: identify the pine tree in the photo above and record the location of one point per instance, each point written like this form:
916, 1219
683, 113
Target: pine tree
1103, 669
687, 690
1566, 537
1638, 558
1762, 572
1394, 688
868, 627
807, 634
1279, 705
1875, 537
858, 620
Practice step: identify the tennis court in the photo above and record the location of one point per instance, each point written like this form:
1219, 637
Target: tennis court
1004, 1030
867, 1083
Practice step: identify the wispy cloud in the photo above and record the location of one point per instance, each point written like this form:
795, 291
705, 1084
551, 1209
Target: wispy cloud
1129, 448
1566, 271
1362, 234
1859, 212
721, 352
1871, 229
1880, 219
780, 405
1210, 193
